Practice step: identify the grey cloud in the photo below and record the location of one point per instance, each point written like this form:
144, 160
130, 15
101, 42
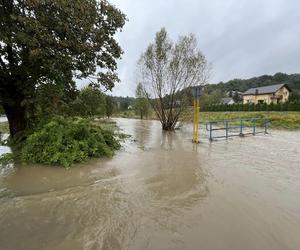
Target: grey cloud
241, 38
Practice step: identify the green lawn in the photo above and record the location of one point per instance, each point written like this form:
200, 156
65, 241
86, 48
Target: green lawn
3, 127
279, 120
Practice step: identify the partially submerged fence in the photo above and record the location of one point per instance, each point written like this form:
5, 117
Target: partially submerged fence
236, 127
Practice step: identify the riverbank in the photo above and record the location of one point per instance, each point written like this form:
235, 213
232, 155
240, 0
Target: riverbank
279, 120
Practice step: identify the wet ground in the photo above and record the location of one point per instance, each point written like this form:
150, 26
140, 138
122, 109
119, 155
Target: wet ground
160, 192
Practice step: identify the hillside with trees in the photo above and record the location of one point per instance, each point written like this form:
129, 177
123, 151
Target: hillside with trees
292, 80
213, 93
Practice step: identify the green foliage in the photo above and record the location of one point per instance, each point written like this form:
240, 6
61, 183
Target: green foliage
236, 97
90, 102
53, 42
209, 99
3, 128
110, 106
6, 159
142, 105
1, 110
66, 141
123, 103
294, 96
54, 99
128, 114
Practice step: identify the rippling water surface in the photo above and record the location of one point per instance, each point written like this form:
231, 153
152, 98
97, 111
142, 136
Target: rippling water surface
160, 192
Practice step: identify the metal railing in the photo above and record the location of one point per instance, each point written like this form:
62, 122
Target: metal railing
237, 127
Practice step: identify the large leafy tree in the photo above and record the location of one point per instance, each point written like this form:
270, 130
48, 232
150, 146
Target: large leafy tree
90, 102
54, 41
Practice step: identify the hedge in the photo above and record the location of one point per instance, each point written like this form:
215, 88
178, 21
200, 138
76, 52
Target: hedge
289, 106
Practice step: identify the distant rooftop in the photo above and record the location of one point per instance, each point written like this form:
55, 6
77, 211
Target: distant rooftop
227, 100
264, 90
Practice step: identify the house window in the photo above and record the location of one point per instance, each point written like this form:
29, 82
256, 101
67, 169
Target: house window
260, 101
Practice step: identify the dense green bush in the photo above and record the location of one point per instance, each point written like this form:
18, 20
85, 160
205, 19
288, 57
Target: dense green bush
6, 159
66, 141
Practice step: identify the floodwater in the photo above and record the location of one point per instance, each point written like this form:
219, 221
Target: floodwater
3, 150
160, 192
3, 119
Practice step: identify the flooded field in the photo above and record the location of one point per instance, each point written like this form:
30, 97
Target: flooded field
160, 192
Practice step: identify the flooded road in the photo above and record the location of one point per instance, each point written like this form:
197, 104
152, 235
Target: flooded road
160, 192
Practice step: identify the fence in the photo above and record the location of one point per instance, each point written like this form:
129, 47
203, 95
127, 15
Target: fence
237, 127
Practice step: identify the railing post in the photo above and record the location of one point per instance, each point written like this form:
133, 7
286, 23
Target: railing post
254, 127
266, 127
226, 127
241, 128
210, 131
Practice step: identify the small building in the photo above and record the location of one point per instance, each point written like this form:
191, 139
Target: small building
278, 93
227, 100
236, 93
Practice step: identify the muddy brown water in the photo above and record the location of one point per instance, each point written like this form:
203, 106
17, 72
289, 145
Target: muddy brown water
160, 192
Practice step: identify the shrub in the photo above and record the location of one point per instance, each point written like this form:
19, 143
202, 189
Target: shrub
66, 141
6, 159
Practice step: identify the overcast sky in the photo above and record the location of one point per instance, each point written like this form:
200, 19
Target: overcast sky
241, 38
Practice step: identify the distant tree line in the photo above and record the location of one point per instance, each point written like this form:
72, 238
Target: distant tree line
87, 102
288, 106
123, 103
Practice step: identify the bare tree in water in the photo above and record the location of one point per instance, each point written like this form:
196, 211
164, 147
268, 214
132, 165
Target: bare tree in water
168, 71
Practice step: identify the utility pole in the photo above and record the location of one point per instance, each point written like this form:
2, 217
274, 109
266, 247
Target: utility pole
196, 92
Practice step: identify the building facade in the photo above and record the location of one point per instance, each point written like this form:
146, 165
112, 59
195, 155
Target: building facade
269, 94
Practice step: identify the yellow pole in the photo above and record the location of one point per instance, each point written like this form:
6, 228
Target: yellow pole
194, 122
197, 121
199, 114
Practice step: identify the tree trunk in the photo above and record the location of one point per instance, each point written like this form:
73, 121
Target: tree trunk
168, 126
16, 115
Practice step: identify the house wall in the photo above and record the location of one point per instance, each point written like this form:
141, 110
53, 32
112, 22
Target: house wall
257, 98
284, 92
